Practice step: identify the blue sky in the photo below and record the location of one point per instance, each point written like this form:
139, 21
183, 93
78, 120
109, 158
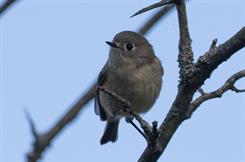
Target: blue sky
51, 52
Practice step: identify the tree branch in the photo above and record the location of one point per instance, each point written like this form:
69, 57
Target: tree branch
185, 57
6, 5
43, 140
228, 85
153, 6
208, 62
155, 18
180, 107
190, 82
128, 108
151, 134
216, 55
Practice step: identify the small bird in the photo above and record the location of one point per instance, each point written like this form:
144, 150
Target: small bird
133, 72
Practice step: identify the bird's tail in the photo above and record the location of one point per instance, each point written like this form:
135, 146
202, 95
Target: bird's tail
110, 133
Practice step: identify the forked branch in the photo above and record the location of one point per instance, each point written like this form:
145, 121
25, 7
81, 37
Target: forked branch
228, 85
192, 77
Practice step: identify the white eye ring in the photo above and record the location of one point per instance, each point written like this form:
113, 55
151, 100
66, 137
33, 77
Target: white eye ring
128, 47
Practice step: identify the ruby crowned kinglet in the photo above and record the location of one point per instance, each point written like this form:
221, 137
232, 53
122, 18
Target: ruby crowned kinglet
132, 72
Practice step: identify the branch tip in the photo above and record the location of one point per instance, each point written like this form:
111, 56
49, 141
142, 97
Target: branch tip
6, 5
235, 89
153, 6
201, 91
31, 123
228, 85
213, 45
155, 130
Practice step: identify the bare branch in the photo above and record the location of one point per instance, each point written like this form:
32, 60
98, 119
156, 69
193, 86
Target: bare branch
197, 75
208, 62
42, 142
155, 5
186, 54
151, 134
6, 5
185, 57
234, 88
229, 85
128, 108
31, 123
155, 18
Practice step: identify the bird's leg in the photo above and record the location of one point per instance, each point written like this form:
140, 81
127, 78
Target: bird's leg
151, 134
130, 120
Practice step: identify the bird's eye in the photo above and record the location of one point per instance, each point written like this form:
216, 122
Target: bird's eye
129, 47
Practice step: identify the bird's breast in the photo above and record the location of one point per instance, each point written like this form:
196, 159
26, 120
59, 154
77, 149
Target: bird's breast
139, 86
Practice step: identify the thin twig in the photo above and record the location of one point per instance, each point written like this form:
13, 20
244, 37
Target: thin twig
31, 123
42, 141
155, 18
151, 134
233, 88
153, 6
128, 108
228, 85
6, 5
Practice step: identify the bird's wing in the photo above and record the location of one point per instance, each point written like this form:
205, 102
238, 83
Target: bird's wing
98, 108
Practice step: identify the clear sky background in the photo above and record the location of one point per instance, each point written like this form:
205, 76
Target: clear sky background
52, 50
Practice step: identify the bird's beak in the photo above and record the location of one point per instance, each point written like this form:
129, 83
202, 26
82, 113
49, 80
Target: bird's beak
112, 44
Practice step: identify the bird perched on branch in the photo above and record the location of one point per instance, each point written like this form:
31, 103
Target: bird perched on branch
133, 72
